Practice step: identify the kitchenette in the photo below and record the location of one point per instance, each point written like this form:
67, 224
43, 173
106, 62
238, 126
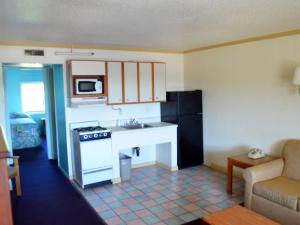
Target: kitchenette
97, 149
105, 95
115, 107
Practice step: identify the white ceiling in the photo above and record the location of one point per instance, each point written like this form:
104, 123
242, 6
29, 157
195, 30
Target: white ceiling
150, 24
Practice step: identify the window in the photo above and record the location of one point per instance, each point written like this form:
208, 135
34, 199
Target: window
33, 97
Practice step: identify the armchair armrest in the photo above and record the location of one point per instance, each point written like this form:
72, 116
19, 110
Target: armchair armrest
259, 173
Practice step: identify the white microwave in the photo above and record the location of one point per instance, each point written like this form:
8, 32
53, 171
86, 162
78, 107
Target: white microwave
89, 86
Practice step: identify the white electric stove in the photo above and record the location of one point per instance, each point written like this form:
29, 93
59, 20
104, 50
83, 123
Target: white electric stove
92, 155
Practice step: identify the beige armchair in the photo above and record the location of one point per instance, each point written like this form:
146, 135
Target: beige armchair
273, 189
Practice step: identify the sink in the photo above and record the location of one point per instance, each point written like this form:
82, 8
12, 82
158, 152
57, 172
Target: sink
136, 126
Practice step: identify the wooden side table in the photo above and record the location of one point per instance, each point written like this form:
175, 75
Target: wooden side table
243, 161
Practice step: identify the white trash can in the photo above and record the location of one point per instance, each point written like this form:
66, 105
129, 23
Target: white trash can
125, 167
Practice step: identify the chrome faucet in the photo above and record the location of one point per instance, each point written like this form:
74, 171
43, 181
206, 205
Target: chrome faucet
133, 121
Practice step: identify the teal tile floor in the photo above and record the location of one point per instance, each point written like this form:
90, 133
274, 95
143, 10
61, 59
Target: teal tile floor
157, 196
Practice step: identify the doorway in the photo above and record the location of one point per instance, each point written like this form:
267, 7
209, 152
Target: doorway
35, 110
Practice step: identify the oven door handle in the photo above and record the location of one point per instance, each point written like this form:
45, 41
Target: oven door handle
97, 170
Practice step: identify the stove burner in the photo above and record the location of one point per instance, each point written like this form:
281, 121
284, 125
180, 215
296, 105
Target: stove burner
89, 129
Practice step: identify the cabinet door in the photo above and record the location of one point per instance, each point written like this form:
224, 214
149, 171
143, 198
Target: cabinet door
159, 82
88, 67
114, 77
145, 75
130, 82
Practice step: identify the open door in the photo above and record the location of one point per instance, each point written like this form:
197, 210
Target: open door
59, 101
54, 103
50, 113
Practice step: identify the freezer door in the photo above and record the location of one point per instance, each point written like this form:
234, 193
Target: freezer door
169, 108
190, 102
190, 150
169, 119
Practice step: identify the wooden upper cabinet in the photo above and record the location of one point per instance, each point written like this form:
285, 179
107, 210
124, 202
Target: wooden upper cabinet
145, 85
115, 87
124, 82
159, 74
130, 82
87, 67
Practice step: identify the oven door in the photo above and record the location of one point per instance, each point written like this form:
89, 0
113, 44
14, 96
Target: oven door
96, 154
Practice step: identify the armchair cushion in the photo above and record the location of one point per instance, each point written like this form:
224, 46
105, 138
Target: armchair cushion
291, 155
281, 190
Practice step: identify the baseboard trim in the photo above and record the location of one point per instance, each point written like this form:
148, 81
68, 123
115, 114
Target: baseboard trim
172, 169
152, 163
116, 180
65, 173
223, 169
138, 165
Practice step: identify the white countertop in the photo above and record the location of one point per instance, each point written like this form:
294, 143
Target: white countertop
153, 125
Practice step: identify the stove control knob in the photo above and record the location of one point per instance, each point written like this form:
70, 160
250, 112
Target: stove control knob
85, 136
104, 134
95, 135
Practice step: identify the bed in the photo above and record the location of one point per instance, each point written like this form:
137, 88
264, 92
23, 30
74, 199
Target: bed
24, 131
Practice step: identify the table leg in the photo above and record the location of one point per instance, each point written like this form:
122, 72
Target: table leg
203, 223
229, 176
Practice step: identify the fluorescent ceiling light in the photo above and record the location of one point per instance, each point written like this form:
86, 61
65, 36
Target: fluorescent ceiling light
75, 53
31, 65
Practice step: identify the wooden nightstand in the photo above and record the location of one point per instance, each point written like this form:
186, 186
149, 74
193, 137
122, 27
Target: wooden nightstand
243, 161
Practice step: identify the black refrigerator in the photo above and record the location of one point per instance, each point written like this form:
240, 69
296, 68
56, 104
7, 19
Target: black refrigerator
184, 108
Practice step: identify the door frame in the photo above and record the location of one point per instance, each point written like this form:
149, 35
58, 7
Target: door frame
52, 148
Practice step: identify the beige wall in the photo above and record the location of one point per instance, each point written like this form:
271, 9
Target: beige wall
248, 99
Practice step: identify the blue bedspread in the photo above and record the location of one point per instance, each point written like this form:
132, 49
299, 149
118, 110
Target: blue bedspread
24, 133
